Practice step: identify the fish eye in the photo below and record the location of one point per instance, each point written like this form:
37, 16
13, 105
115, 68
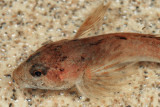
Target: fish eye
38, 70
37, 73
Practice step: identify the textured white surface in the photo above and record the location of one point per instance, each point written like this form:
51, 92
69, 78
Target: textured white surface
25, 25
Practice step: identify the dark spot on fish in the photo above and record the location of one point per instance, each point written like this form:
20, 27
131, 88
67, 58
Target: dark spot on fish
121, 37
97, 42
32, 56
145, 36
75, 40
57, 47
38, 69
151, 36
78, 70
61, 69
82, 58
58, 54
63, 58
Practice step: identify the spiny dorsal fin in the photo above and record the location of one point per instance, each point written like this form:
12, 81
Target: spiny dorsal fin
92, 21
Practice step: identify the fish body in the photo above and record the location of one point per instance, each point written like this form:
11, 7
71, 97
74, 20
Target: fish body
93, 64
63, 64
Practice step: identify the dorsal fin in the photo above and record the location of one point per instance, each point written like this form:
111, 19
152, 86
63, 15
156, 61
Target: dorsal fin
92, 21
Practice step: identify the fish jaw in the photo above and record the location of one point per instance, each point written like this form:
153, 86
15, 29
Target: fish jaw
19, 76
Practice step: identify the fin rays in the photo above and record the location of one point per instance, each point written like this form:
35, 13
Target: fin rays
92, 21
103, 84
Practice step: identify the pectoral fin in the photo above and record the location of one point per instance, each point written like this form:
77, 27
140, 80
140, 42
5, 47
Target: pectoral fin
103, 82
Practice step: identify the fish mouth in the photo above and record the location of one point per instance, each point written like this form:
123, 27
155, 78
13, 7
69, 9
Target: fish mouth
18, 76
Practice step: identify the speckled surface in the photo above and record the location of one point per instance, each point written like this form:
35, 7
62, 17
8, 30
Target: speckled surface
26, 24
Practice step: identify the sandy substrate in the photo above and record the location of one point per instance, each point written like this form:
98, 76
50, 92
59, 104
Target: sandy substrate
26, 24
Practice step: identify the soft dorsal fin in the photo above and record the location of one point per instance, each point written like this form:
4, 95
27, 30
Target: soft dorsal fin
92, 21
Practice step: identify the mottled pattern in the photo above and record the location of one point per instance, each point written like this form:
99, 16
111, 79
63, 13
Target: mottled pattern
25, 25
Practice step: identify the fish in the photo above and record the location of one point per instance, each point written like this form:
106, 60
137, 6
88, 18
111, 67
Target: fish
94, 65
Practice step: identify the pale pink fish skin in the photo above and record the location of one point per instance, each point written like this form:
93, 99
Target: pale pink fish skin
65, 63
92, 64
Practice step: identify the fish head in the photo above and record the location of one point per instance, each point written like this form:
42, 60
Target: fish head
50, 67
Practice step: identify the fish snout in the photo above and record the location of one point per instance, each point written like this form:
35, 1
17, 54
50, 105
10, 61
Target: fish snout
18, 76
